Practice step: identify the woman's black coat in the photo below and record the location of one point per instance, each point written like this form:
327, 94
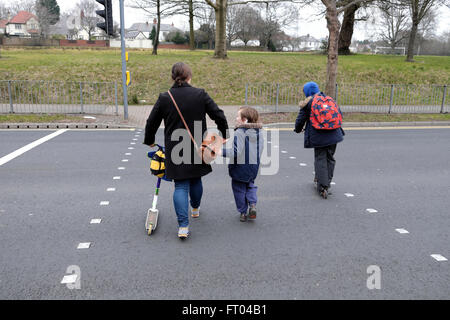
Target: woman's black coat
194, 104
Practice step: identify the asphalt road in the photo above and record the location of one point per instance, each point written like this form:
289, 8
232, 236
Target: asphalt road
300, 246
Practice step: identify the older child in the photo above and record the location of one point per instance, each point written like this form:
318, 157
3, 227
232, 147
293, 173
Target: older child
245, 154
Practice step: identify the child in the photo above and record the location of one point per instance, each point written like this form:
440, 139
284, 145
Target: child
245, 155
323, 141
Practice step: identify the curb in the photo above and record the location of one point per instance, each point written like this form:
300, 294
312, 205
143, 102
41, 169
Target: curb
63, 126
369, 124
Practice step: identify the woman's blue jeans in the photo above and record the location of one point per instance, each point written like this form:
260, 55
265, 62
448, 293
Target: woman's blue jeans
184, 189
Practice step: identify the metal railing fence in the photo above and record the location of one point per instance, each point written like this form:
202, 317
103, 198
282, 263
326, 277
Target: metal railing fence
382, 98
36, 96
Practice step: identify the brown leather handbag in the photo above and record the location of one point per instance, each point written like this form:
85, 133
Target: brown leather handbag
210, 146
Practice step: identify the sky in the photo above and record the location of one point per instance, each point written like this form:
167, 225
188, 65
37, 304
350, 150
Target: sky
308, 23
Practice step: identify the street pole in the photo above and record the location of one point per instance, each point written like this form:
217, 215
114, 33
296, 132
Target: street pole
124, 62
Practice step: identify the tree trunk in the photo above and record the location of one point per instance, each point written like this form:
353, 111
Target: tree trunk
158, 25
191, 26
220, 50
412, 38
333, 26
346, 33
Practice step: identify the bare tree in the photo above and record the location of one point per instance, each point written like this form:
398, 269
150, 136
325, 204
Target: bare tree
418, 10
86, 10
159, 8
22, 5
242, 23
395, 23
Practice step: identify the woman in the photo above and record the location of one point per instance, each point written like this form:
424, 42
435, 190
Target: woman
194, 104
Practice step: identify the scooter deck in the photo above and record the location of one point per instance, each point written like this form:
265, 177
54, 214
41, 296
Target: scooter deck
152, 220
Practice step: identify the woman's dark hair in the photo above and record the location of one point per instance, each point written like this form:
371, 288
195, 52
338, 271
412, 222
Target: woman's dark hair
181, 72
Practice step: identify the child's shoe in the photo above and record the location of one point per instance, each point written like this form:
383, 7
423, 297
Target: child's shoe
195, 213
252, 212
183, 232
323, 193
243, 217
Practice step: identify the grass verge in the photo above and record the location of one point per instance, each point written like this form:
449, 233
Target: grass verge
39, 118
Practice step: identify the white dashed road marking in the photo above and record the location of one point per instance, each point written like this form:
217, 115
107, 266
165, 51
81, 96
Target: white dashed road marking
121, 168
104, 203
402, 231
283, 151
292, 158
128, 154
116, 178
439, 257
349, 195
303, 164
96, 221
84, 245
124, 160
371, 210
132, 142
69, 279
333, 183
111, 189
130, 148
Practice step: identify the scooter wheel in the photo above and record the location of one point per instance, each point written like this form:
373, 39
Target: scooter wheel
150, 229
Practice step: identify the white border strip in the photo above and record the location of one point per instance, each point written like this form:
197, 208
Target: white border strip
30, 146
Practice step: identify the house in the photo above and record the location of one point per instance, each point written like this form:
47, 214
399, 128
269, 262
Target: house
146, 29
69, 26
308, 43
23, 24
3, 26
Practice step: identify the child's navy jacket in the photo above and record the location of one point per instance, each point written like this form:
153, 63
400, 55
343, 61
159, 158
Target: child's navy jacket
246, 152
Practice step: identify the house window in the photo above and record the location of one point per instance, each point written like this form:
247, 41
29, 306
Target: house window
18, 27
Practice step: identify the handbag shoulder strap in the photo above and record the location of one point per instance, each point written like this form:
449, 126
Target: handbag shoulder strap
182, 119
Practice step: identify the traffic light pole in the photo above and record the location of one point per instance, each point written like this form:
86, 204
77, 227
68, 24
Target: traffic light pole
124, 62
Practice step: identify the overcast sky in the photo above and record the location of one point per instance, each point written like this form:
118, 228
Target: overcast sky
308, 22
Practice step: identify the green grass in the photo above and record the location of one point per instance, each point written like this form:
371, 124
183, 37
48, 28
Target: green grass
38, 118
223, 79
362, 117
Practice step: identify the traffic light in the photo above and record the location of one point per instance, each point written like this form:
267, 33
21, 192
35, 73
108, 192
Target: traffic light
106, 14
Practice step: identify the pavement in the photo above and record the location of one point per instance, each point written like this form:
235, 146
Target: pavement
137, 117
299, 247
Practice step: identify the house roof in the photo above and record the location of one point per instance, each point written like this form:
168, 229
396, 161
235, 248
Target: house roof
3, 23
22, 17
308, 38
132, 34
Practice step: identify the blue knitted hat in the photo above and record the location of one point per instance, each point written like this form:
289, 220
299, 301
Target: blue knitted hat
310, 89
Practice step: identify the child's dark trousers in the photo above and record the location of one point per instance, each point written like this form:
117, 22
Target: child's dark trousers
244, 194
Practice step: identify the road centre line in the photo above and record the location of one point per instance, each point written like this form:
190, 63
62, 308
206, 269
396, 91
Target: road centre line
30, 146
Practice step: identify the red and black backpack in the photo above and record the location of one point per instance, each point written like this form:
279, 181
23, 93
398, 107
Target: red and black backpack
325, 114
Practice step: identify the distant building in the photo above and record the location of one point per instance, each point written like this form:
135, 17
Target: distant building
146, 29
308, 43
23, 24
70, 28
